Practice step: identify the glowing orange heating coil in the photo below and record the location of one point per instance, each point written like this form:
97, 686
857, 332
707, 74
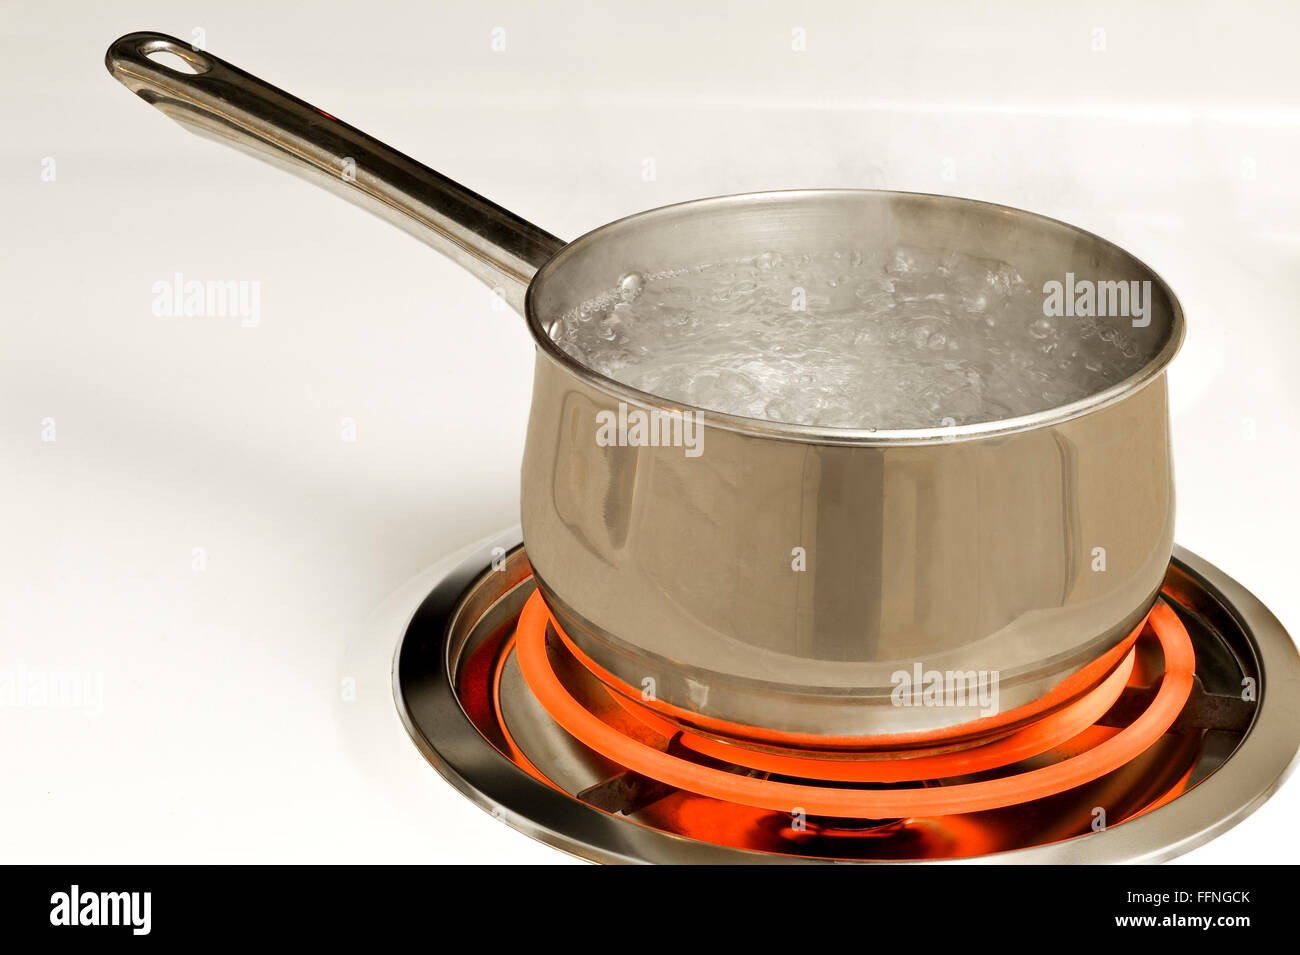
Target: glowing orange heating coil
911, 743
1050, 731
783, 796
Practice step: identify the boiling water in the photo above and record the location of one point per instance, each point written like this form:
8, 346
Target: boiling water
905, 339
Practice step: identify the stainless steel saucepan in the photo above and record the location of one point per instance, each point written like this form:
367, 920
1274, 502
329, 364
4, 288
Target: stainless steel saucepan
1014, 552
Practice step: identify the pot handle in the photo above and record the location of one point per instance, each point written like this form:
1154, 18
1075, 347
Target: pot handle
223, 102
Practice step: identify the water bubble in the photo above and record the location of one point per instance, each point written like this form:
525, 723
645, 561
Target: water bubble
902, 263
630, 286
1041, 327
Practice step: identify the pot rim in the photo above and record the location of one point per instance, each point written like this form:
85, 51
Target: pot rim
814, 434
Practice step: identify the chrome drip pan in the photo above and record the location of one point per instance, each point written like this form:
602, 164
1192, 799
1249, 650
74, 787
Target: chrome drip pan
460, 694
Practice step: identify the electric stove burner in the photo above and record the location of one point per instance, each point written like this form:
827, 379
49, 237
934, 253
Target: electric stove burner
1191, 728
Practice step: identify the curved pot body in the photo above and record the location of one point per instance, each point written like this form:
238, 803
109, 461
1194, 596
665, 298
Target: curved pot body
803, 586
780, 585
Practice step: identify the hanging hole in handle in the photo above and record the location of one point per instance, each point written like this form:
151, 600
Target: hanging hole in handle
177, 58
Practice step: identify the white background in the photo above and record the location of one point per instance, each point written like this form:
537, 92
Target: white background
222, 735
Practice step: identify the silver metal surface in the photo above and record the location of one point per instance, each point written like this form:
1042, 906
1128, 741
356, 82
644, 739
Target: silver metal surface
967, 548
222, 102
974, 547
978, 555
1230, 773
